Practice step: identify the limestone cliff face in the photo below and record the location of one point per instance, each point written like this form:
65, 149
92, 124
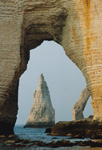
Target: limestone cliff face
77, 110
42, 113
74, 24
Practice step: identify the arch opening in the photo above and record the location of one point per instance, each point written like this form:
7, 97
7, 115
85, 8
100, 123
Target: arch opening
88, 111
65, 81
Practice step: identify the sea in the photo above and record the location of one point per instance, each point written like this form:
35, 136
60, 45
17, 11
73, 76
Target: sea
38, 134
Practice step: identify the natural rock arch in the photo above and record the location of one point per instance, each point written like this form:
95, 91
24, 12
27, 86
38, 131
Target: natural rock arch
74, 24
79, 106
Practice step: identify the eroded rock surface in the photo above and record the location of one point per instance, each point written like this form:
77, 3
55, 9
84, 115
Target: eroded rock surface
24, 24
77, 111
42, 113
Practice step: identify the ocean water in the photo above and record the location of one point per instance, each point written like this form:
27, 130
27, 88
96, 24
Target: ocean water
38, 134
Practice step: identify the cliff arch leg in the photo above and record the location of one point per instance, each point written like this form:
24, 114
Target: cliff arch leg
8, 111
77, 110
97, 108
9, 97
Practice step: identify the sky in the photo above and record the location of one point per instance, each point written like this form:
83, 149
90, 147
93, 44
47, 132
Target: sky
64, 79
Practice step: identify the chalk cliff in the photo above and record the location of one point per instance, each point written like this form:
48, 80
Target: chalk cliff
77, 110
25, 24
42, 112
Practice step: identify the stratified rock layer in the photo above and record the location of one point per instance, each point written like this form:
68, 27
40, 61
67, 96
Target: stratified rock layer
77, 111
25, 24
42, 113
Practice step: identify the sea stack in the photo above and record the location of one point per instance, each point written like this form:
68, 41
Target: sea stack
42, 112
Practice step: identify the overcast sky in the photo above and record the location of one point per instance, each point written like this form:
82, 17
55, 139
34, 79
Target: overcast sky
64, 79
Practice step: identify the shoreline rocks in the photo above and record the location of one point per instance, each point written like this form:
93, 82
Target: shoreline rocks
53, 144
78, 129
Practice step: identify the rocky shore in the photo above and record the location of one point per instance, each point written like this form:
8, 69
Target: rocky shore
91, 130
78, 129
64, 143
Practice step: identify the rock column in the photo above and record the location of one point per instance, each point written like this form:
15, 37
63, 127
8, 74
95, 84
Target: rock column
77, 111
42, 113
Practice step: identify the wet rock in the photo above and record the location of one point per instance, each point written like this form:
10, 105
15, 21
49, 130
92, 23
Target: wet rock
89, 143
62, 143
78, 129
10, 142
25, 141
53, 144
2, 136
19, 145
48, 130
11, 136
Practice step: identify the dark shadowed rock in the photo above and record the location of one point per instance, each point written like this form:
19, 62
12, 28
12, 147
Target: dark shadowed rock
78, 129
48, 130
